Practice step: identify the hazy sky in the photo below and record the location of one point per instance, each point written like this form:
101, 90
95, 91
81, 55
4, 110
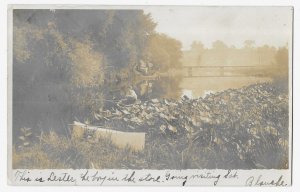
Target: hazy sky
232, 25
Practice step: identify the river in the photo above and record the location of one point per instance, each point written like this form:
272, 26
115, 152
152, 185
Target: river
200, 86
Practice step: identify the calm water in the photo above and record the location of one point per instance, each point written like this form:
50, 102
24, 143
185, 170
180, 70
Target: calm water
199, 86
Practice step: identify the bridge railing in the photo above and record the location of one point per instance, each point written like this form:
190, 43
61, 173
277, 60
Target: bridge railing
226, 70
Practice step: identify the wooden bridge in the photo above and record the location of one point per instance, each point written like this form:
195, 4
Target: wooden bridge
212, 71
251, 70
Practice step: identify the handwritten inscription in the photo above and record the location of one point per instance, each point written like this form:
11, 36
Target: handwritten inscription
22, 176
147, 177
97, 177
63, 177
259, 181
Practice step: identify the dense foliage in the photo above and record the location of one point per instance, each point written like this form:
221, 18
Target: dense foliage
65, 62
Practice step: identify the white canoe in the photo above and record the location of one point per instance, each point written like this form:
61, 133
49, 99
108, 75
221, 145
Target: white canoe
134, 140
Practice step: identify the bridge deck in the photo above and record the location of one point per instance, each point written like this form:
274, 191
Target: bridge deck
252, 70
205, 76
226, 66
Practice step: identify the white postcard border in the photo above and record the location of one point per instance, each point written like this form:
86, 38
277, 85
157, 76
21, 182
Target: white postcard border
271, 174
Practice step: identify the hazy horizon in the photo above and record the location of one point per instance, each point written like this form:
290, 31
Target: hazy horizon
232, 25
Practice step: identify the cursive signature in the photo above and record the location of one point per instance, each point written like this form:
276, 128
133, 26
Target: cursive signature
259, 181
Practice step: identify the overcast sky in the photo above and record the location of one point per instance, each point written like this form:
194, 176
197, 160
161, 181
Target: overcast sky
232, 25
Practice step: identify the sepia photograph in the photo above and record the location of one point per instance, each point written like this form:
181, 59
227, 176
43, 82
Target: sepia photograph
151, 88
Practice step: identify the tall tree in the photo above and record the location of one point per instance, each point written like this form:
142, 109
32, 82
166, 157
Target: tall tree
164, 52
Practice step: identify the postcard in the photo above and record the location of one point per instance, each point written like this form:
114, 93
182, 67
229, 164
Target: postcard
150, 95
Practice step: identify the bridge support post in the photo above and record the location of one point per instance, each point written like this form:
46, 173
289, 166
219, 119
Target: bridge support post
190, 72
222, 71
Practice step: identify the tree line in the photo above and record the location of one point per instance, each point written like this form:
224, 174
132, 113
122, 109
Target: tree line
275, 59
66, 61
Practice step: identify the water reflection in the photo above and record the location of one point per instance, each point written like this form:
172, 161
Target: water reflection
175, 86
196, 82
201, 86
161, 87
